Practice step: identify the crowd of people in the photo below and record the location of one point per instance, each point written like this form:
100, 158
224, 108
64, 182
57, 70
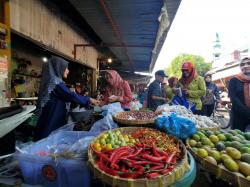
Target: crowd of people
193, 91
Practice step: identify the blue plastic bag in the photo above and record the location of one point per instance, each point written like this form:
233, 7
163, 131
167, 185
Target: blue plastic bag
176, 126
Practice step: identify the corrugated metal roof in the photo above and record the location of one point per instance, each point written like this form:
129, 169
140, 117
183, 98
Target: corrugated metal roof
132, 25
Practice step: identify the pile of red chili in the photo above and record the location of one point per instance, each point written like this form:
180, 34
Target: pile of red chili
157, 138
139, 161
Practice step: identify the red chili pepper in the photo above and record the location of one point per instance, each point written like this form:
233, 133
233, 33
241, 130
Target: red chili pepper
157, 167
155, 152
116, 151
166, 171
152, 175
163, 153
137, 152
101, 155
104, 168
153, 158
170, 158
118, 156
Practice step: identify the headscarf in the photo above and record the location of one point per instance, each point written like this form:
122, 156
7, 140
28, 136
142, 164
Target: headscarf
116, 84
52, 74
171, 81
193, 74
116, 80
205, 76
246, 86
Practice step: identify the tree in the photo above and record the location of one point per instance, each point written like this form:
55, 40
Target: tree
200, 65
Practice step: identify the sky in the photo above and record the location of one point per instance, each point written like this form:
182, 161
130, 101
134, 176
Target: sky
196, 23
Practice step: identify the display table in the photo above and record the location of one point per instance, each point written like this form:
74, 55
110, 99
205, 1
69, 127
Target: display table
10, 123
25, 100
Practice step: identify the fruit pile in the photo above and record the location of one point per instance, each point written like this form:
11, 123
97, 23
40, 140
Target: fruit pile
229, 149
136, 115
111, 140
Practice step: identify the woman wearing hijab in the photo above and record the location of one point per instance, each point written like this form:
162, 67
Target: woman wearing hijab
53, 95
193, 85
239, 93
212, 96
117, 90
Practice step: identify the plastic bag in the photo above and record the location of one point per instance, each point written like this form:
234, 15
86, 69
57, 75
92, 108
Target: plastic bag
112, 108
135, 105
176, 126
104, 124
183, 101
66, 144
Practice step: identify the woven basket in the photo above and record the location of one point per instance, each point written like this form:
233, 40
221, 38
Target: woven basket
220, 171
132, 122
163, 180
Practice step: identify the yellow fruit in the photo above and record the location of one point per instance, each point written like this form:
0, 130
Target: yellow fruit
202, 153
205, 141
126, 139
225, 156
192, 143
96, 145
211, 160
98, 149
215, 154
248, 177
214, 138
108, 147
234, 153
244, 168
231, 165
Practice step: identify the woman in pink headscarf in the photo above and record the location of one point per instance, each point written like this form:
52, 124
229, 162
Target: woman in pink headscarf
117, 90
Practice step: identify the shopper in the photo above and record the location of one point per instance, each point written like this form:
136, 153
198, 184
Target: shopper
171, 88
53, 95
212, 97
193, 86
117, 90
155, 96
239, 93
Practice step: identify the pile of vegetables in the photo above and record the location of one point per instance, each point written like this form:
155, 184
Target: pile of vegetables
136, 115
156, 138
147, 153
138, 161
200, 121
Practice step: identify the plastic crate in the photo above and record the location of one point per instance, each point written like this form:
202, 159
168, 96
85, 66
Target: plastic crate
50, 172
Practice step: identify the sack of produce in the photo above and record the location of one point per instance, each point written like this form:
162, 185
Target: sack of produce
176, 126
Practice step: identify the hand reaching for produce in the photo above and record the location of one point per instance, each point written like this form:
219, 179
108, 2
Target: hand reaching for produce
94, 101
113, 98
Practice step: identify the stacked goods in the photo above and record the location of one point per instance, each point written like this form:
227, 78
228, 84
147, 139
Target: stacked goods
148, 155
228, 150
202, 122
135, 117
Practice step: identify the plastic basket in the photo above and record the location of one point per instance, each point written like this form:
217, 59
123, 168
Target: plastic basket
189, 176
51, 172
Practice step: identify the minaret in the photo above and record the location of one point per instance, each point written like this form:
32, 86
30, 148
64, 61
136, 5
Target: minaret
217, 47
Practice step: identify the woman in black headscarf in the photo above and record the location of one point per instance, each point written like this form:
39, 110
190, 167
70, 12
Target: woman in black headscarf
53, 95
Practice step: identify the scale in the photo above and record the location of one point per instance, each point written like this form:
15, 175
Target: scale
5, 53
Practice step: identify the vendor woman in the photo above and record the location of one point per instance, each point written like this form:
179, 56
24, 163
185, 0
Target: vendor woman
117, 90
192, 85
53, 95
